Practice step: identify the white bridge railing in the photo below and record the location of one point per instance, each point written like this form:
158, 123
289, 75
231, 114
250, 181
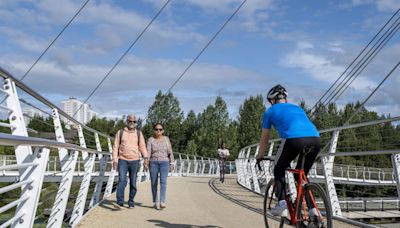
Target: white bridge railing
57, 191
331, 174
185, 165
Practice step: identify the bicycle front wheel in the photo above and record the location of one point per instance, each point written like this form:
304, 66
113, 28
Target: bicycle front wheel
313, 208
270, 200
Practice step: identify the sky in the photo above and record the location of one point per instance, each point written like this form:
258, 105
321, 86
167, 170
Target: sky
303, 45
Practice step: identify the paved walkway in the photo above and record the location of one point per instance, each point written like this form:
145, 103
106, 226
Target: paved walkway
191, 202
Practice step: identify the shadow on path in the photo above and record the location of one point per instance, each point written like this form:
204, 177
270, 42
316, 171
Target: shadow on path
238, 199
160, 223
110, 205
213, 185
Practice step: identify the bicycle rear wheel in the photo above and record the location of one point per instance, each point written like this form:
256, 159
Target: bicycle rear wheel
318, 199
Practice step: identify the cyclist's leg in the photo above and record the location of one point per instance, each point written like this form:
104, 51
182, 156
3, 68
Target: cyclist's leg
284, 156
309, 159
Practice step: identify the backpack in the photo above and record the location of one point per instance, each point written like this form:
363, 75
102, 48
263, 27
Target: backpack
121, 132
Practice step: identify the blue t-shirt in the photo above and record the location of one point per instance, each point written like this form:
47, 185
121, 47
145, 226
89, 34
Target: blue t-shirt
290, 121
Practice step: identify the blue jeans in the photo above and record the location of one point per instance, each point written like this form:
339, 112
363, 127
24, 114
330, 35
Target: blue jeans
123, 168
162, 168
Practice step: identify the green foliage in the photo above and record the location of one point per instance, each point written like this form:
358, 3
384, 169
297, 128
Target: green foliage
42, 124
250, 117
166, 110
213, 128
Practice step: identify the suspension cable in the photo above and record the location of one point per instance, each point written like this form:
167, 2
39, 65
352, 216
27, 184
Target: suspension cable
373, 92
366, 61
202, 50
122, 56
374, 55
35, 107
376, 35
52, 42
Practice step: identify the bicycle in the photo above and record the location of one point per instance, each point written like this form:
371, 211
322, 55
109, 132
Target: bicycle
222, 161
298, 207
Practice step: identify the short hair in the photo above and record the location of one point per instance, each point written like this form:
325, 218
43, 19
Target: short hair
131, 115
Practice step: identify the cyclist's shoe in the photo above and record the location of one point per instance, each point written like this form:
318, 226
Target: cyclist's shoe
280, 209
313, 212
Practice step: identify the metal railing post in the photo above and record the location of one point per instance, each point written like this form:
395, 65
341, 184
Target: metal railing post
328, 172
100, 178
240, 167
247, 175
68, 163
268, 164
252, 163
196, 165
80, 202
211, 166
111, 177
32, 191
396, 169
181, 164
203, 166
23, 154
188, 167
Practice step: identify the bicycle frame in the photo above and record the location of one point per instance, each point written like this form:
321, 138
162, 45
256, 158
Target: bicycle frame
292, 208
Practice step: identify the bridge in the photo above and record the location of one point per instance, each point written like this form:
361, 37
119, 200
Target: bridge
84, 181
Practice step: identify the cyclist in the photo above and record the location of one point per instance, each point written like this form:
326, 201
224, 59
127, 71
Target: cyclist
223, 154
296, 131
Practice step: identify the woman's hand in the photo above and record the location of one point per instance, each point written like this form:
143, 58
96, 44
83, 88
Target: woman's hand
171, 168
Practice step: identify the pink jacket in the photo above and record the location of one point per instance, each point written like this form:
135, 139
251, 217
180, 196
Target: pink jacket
128, 149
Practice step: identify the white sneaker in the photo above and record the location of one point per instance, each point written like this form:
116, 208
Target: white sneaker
280, 209
313, 212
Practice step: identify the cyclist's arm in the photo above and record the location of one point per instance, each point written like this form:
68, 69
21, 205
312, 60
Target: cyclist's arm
263, 142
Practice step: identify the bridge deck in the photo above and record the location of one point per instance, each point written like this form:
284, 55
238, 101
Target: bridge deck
191, 202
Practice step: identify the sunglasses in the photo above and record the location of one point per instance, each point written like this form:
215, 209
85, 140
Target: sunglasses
134, 121
158, 129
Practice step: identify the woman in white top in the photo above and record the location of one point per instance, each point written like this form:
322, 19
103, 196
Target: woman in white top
223, 154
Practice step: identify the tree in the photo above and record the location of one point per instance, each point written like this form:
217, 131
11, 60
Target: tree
166, 110
213, 128
250, 120
42, 124
189, 126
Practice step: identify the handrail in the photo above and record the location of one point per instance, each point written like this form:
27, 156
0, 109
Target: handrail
14, 186
363, 124
20, 166
14, 140
13, 204
5, 74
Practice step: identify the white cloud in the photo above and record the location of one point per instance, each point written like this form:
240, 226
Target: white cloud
320, 67
25, 41
253, 16
387, 5
335, 47
304, 45
112, 24
135, 82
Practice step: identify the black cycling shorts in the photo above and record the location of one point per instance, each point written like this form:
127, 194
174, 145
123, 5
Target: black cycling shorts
289, 149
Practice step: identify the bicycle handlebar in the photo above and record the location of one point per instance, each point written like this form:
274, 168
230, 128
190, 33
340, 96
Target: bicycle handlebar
265, 158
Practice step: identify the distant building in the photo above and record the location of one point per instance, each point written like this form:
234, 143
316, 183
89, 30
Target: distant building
29, 113
71, 106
